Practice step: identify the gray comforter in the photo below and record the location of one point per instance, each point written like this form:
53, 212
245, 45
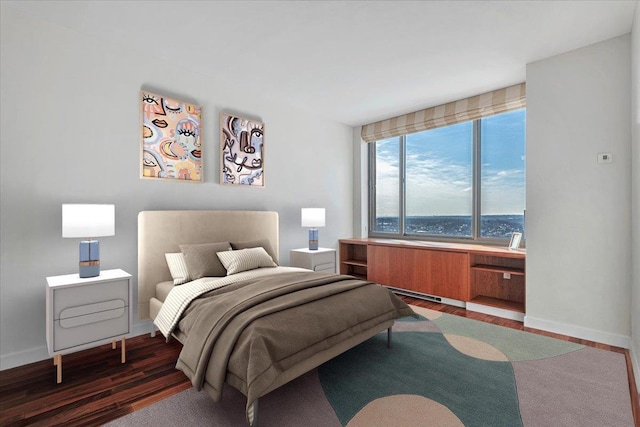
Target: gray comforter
250, 332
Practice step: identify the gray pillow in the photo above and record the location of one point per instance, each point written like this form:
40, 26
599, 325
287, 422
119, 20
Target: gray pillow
263, 243
202, 260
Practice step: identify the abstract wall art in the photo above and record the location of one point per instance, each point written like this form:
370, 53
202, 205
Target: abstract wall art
171, 139
241, 151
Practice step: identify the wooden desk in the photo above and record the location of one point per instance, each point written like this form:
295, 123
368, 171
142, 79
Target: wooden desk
482, 278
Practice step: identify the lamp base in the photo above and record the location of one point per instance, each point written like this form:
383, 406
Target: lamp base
92, 270
89, 259
313, 239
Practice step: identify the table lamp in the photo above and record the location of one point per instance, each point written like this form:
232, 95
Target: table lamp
313, 217
87, 222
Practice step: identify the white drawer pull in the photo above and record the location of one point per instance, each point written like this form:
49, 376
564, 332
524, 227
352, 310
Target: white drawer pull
91, 313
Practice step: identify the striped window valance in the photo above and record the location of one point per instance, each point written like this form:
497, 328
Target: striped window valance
473, 108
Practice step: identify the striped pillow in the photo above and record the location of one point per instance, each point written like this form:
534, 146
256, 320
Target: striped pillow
254, 244
245, 259
178, 268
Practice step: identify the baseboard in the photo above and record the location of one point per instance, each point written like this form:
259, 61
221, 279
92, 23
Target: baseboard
578, 332
141, 328
635, 363
24, 357
37, 354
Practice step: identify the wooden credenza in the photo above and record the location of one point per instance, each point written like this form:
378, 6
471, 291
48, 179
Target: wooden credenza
487, 279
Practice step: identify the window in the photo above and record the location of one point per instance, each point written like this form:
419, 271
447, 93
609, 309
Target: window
388, 185
502, 174
459, 182
439, 180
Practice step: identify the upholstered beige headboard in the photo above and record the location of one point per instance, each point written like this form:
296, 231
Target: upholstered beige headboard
161, 232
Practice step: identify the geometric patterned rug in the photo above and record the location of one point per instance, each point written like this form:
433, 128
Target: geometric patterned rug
442, 370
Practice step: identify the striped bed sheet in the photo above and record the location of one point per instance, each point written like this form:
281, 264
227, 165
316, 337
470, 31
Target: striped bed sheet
181, 296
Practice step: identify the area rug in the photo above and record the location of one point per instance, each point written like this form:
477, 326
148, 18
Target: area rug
442, 370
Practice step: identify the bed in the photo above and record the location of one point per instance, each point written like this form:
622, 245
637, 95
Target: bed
259, 328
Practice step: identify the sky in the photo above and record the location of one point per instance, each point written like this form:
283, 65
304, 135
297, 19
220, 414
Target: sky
439, 174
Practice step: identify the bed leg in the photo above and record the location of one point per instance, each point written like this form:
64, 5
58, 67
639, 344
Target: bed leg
389, 337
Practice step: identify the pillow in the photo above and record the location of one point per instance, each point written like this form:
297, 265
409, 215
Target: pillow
178, 268
264, 243
245, 259
202, 260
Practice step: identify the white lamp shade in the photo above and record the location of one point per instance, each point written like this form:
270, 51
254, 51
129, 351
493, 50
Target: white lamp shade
313, 217
83, 221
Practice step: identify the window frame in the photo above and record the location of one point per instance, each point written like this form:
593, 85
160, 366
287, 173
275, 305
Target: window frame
476, 199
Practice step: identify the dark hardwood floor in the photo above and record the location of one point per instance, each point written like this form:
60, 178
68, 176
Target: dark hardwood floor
97, 388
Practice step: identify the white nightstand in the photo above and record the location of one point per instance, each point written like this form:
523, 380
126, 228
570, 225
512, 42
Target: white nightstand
85, 313
323, 259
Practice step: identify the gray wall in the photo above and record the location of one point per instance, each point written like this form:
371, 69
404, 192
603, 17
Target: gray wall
69, 134
579, 211
635, 191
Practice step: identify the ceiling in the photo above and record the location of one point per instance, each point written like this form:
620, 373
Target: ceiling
354, 62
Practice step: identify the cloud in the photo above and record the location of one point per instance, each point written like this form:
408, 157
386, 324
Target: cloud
439, 172
503, 191
439, 187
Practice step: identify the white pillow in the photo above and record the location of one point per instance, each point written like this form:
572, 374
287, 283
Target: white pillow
178, 268
245, 259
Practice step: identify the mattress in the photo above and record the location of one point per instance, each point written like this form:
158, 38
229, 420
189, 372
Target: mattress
163, 289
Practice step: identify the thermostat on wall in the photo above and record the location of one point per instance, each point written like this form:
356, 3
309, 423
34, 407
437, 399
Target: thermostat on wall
605, 157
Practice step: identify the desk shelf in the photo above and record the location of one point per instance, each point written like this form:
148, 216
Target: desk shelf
499, 303
498, 269
353, 258
498, 281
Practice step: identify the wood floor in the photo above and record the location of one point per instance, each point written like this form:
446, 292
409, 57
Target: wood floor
97, 388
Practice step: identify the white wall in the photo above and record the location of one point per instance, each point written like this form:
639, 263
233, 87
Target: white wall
69, 133
635, 191
360, 185
579, 211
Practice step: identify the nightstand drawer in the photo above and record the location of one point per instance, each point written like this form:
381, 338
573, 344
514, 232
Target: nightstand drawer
92, 313
89, 296
329, 266
324, 258
79, 330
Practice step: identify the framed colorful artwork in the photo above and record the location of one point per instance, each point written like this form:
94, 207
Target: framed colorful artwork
171, 138
241, 151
